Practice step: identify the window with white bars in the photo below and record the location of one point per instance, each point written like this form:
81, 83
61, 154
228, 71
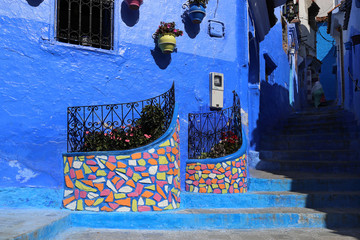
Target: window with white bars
86, 22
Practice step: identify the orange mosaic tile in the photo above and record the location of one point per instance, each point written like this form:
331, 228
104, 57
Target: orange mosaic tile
152, 161
124, 202
68, 182
110, 166
110, 198
68, 200
130, 183
222, 186
206, 171
161, 151
79, 174
115, 179
175, 151
107, 209
121, 165
221, 170
145, 174
99, 186
198, 168
160, 191
94, 169
88, 182
89, 202
156, 208
90, 157
70, 160
136, 155
211, 166
147, 194
202, 190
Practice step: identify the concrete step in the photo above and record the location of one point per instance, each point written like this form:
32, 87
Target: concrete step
312, 166
342, 116
302, 182
311, 155
34, 224
317, 130
274, 136
310, 144
248, 218
322, 122
218, 234
272, 199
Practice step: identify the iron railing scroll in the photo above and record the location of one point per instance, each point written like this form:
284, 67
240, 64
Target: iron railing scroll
104, 120
215, 134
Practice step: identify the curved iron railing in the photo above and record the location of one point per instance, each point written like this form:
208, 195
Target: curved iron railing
215, 134
104, 120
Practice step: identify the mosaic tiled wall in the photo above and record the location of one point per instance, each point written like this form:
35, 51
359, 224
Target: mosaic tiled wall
142, 181
225, 177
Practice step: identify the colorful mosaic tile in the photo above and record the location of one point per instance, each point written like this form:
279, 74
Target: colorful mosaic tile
143, 181
226, 177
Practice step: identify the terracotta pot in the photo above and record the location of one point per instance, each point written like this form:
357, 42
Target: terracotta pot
167, 43
134, 4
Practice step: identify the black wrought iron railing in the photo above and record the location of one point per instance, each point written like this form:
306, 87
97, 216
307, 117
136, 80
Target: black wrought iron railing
215, 134
119, 126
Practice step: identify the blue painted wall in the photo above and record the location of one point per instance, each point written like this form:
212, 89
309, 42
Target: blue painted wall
352, 63
269, 100
40, 78
326, 53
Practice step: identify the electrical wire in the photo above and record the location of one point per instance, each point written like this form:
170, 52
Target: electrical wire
217, 5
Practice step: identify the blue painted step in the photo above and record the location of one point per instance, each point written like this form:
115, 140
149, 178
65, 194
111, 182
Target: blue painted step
305, 137
310, 155
324, 144
190, 219
302, 182
344, 167
272, 199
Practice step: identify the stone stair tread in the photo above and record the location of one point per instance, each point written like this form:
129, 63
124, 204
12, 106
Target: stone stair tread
260, 174
287, 193
268, 210
307, 161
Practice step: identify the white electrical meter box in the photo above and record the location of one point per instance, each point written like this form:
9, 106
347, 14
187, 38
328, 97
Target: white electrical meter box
216, 90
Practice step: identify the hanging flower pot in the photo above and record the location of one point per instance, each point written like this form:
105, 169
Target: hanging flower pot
165, 36
197, 10
134, 4
167, 43
197, 13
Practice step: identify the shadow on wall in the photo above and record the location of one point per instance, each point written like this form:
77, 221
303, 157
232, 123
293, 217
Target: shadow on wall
34, 3
161, 59
274, 109
130, 17
191, 29
327, 78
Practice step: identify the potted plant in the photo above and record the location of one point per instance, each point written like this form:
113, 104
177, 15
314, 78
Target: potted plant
197, 10
165, 36
134, 4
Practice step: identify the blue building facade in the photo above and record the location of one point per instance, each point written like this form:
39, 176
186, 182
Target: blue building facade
326, 53
345, 29
40, 77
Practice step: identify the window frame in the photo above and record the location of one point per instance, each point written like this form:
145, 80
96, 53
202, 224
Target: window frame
53, 33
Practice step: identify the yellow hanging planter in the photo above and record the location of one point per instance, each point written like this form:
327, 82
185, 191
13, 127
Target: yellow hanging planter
167, 43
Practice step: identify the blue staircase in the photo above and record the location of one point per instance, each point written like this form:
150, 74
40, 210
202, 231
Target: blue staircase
313, 163
308, 177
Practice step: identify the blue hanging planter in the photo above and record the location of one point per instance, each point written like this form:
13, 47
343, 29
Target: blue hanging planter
197, 13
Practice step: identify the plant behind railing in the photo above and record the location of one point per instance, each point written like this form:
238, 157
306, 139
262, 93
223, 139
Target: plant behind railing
119, 126
215, 134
